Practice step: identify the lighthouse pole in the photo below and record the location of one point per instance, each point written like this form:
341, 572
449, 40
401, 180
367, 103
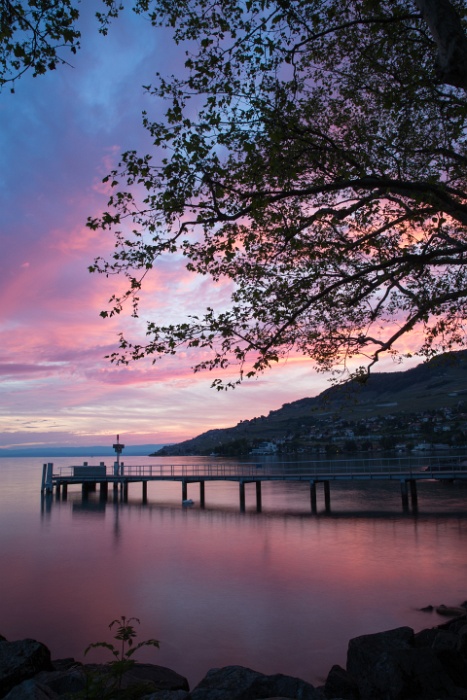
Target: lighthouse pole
118, 447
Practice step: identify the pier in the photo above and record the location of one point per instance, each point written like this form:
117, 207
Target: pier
408, 471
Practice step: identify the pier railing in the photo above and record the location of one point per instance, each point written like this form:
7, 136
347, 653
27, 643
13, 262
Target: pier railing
217, 469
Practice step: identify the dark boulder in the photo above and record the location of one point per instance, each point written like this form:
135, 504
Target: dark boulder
398, 665
240, 683
143, 679
155, 677
373, 660
31, 690
65, 681
168, 695
20, 661
340, 684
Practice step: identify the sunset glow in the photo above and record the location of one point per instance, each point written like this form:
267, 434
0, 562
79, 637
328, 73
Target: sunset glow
61, 134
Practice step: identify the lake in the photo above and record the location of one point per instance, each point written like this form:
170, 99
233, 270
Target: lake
280, 591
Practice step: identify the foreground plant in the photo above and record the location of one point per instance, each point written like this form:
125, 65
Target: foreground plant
123, 661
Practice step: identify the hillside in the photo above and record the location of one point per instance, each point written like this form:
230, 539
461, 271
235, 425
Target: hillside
439, 383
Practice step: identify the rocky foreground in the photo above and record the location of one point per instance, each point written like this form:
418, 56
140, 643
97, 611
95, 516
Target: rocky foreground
393, 665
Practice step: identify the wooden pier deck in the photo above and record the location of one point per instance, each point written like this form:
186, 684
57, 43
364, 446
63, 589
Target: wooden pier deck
407, 470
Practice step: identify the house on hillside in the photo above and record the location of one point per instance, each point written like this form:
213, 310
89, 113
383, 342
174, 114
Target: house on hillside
264, 448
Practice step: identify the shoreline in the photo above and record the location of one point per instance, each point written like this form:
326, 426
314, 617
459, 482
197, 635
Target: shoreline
396, 664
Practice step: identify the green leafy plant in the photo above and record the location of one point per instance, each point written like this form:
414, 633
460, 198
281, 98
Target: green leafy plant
123, 651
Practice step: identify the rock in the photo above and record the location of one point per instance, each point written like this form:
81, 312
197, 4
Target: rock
160, 677
240, 683
340, 684
71, 677
445, 641
450, 610
427, 608
20, 661
65, 664
373, 661
425, 638
31, 690
168, 695
395, 665
66, 681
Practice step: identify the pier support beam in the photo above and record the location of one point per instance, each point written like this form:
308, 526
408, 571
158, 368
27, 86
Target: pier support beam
103, 490
64, 491
242, 495
413, 494
47, 472
184, 490
201, 493
124, 491
314, 508
258, 496
404, 495
145, 491
409, 486
327, 495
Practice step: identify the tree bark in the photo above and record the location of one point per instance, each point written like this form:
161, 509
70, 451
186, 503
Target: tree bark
448, 33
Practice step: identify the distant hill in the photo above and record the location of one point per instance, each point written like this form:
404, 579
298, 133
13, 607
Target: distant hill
90, 451
441, 382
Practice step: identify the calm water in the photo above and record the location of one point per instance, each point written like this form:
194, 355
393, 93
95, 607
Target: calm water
280, 591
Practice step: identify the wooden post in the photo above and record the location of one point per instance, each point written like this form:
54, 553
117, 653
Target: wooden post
201, 493
313, 496
145, 491
327, 495
242, 495
48, 480
103, 490
404, 494
184, 490
413, 493
258, 496
65, 491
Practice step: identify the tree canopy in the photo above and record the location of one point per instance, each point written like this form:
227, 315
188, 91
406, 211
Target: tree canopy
313, 152
32, 35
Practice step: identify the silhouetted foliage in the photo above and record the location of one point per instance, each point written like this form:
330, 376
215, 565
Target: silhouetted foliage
315, 156
32, 35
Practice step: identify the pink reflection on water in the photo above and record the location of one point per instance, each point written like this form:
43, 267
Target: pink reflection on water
278, 591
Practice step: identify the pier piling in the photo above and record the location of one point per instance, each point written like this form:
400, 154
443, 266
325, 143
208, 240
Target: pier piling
314, 508
327, 495
242, 495
258, 497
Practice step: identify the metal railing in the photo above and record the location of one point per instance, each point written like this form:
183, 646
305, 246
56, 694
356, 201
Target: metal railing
431, 464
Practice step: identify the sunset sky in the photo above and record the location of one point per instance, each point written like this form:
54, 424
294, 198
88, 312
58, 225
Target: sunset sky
60, 134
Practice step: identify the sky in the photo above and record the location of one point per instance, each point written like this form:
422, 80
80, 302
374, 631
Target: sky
60, 134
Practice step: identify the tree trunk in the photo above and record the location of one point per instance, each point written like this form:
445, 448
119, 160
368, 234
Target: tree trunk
448, 33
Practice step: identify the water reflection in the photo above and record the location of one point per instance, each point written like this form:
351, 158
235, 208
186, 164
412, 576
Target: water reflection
97, 504
280, 590
328, 498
